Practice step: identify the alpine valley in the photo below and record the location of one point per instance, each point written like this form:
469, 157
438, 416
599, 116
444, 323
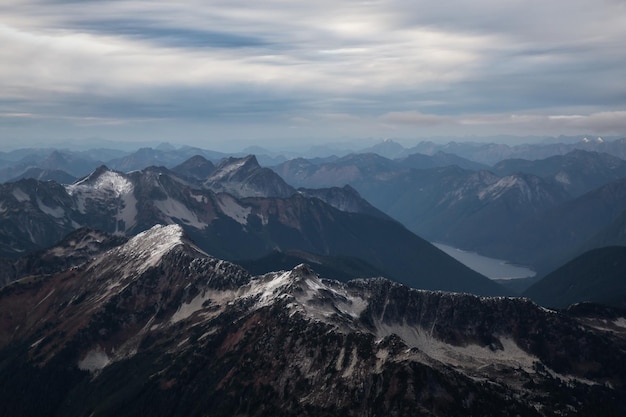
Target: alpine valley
187, 282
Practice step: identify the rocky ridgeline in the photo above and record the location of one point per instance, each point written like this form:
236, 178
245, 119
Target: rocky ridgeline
157, 326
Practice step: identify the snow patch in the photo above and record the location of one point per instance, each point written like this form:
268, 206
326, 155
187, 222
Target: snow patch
268, 289
147, 248
354, 359
230, 207
128, 212
228, 169
496, 190
620, 322
95, 360
339, 363
174, 209
470, 356
109, 182
381, 358
35, 344
20, 195
45, 298
108, 185
563, 178
199, 198
318, 299
339, 299
57, 212
187, 309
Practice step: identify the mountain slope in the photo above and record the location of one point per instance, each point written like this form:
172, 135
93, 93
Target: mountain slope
473, 210
612, 235
196, 168
41, 174
313, 226
48, 161
526, 218
596, 276
244, 177
577, 172
340, 268
563, 232
75, 249
492, 153
344, 199
33, 215
437, 160
336, 173
157, 327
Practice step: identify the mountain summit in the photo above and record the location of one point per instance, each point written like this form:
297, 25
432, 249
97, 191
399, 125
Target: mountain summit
244, 177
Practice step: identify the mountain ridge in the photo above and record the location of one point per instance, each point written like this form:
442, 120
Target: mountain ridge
251, 227
190, 334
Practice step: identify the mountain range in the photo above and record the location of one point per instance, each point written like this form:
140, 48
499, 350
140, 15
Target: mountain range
540, 213
156, 326
241, 212
520, 210
468, 155
185, 282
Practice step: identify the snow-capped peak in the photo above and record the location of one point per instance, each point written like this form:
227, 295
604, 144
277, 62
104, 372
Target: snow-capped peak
142, 251
102, 180
319, 299
151, 245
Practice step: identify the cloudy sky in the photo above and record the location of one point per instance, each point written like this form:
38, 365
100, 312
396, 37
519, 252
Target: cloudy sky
285, 71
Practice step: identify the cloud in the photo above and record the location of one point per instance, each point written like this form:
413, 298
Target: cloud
613, 122
416, 119
387, 64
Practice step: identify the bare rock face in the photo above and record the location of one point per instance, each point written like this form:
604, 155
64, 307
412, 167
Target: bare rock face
156, 326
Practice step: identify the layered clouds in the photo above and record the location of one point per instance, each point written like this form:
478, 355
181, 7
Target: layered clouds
194, 70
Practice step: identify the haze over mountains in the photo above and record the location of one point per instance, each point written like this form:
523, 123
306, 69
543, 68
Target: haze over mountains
520, 210
536, 212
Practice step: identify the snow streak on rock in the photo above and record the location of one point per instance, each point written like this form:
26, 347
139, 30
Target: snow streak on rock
233, 209
149, 247
142, 251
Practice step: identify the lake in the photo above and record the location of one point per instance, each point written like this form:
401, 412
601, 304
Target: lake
489, 267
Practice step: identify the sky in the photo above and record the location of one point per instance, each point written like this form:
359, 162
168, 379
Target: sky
211, 73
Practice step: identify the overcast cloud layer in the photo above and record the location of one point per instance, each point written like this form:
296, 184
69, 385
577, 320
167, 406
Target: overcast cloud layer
198, 71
